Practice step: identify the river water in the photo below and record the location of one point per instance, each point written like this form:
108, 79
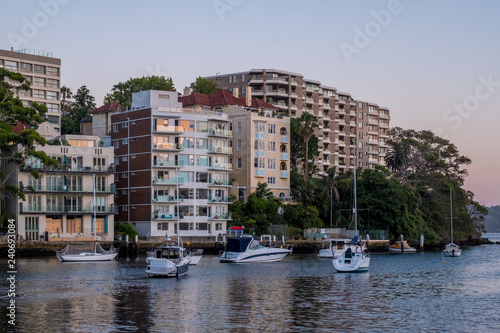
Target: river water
400, 293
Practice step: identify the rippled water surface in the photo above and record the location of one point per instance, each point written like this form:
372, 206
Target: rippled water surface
400, 293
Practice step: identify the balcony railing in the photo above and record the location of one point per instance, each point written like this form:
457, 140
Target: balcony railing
220, 132
168, 181
170, 129
68, 209
220, 182
169, 164
168, 198
168, 146
221, 166
220, 149
67, 188
221, 216
219, 200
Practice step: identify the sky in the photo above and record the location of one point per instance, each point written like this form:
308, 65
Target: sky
434, 64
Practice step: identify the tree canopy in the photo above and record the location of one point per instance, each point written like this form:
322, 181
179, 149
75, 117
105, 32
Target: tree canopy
75, 108
203, 86
122, 91
17, 147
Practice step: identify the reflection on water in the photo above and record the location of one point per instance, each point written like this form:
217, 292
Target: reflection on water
412, 292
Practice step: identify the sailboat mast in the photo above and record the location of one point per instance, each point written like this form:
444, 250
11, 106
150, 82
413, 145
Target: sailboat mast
177, 199
451, 215
355, 209
95, 221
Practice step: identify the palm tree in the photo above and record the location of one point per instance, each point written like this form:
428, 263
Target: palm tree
308, 122
66, 94
331, 180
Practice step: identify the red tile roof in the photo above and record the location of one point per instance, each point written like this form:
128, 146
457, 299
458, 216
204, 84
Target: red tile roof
222, 97
111, 106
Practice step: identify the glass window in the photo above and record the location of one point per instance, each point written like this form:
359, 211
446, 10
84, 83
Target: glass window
12, 65
238, 163
271, 180
201, 126
52, 95
39, 93
271, 128
53, 107
53, 71
40, 69
238, 128
26, 67
238, 145
39, 81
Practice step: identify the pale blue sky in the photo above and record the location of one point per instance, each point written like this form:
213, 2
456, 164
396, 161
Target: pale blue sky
419, 62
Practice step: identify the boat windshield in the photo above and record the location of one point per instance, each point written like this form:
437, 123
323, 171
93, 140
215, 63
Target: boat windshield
167, 253
255, 245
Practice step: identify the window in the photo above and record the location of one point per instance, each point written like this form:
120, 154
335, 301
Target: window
271, 146
52, 95
164, 96
124, 158
125, 125
124, 175
259, 162
230, 79
271, 128
125, 142
243, 89
26, 67
360, 105
52, 107
39, 69
39, 93
52, 83
360, 125
238, 145
11, 65
53, 120
271, 180
39, 81
238, 163
234, 78
238, 128
116, 144
271, 164
259, 145
54, 71
242, 77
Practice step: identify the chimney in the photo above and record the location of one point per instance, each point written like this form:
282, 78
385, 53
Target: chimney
236, 92
187, 91
248, 96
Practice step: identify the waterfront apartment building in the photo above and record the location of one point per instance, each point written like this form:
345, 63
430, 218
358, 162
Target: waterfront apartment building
43, 71
342, 120
172, 167
60, 205
260, 144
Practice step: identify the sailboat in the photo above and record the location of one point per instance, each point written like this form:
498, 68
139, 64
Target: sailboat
170, 260
452, 249
355, 259
88, 252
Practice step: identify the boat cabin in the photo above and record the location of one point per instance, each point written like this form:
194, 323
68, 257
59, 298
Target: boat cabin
168, 253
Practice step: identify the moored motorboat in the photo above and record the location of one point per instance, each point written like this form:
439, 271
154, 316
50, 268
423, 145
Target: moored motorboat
396, 248
168, 261
248, 249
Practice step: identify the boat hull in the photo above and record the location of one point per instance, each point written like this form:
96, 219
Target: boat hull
242, 257
166, 268
452, 250
358, 264
398, 250
83, 257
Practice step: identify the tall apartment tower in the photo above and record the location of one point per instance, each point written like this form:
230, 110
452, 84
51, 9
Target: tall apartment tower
172, 167
60, 205
44, 73
342, 120
260, 149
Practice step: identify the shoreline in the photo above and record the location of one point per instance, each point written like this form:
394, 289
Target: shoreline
28, 249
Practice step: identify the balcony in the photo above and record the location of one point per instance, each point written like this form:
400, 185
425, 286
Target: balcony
220, 133
169, 164
309, 101
221, 216
257, 92
221, 166
168, 181
166, 216
168, 198
220, 150
277, 92
220, 200
220, 182
48, 209
168, 146
169, 129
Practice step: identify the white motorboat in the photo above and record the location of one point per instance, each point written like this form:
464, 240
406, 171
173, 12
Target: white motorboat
350, 261
357, 260
248, 249
88, 252
452, 249
334, 247
168, 261
396, 248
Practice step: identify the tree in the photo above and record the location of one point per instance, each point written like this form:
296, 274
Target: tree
303, 129
331, 183
203, 86
75, 108
122, 91
17, 148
